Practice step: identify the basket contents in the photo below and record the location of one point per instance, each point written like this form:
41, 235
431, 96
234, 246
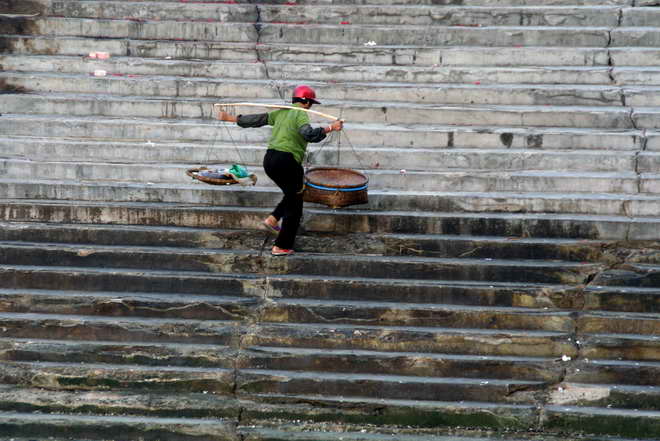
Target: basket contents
237, 174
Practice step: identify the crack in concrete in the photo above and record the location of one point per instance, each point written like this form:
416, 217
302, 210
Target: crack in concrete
258, 26
643, 139
626, 205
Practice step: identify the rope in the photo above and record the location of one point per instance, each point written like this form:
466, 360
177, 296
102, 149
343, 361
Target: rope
354, 151
231, 138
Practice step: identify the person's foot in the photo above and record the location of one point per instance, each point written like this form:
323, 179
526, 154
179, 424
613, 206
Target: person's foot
277, 251
271, 224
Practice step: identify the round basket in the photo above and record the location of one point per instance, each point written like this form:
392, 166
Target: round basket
194, 173
335, 187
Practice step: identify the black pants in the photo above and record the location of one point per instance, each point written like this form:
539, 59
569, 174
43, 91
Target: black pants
285, 171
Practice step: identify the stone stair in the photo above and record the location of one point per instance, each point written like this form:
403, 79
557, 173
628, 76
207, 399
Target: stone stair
501, 283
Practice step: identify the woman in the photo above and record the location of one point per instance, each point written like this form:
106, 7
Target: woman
282, 162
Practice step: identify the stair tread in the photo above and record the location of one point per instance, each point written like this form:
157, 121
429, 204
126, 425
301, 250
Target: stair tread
315, 326
256, 350
346, 104
354, 125
650, 197
176, 298
41, 226
310, 255
422, 214
436, 85
286, 277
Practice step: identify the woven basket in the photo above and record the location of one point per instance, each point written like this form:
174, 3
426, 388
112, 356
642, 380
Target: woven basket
335, 187
194, 173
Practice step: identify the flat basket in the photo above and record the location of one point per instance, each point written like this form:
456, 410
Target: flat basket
194, 173
335, 187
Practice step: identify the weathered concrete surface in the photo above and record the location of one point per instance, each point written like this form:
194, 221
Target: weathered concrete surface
511, 263
326, 53
368, 112
513, 94
34, 425
202, 134
362, 14
641, 205
349, 221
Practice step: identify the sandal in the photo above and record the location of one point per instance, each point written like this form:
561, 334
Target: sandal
274, 228
277, 251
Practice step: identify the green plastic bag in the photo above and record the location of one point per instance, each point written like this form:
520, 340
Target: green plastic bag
239, 171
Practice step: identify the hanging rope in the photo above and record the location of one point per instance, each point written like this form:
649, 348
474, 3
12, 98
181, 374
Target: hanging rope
232, 111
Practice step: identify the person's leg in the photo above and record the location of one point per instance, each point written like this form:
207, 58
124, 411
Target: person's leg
285, 171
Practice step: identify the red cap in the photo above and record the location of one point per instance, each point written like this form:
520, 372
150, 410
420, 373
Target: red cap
305, 92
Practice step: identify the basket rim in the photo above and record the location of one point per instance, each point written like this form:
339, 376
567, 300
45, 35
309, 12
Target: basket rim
355, 172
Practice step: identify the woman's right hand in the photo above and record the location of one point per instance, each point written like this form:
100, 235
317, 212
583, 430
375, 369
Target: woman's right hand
224, 116
336, 126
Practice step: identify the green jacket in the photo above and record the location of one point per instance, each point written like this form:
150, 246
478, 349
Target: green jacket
291, 130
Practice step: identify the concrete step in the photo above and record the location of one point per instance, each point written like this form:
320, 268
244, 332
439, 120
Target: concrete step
283, 359
636, 36
335, 221
368, 313
439, 180
602, 322
94, 427
62, 130
98, 328
635, 56
423, 15
108, 353
127, 403
327, 53
82, 158
451, 341
379, 386
617, 373
429, 245
621, 298
338, 336
33, 282
295, 310
403, 363
338, 34
283, 435
162, 86
354, 414
117, 304
94, 376
359, 111
365, 313
450, 2
246, 382
602, 421
626, 346
38, 281
607, 396
607, 204
237, 261
642, 275
329, 77
619, 396
107, 427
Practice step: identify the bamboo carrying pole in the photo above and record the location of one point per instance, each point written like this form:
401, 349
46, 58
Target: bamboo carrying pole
277, 106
